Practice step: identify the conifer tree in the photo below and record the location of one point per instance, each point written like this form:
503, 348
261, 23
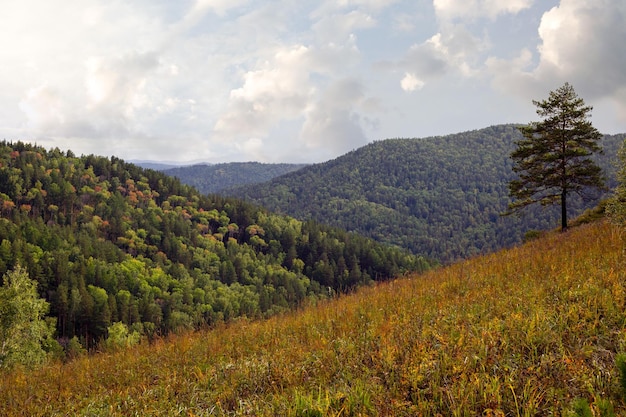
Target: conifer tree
553, 160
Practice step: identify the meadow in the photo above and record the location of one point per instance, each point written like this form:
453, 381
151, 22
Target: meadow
532, 330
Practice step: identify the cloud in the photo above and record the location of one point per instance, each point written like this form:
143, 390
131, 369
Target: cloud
455, 50
333, 122
580, 42
511, 75
114, 91
429, 59
288, 86
404, 22
287, 80
219, 7
67, 70
119, 82
279, 89
338, 26
332, 6
44, 108
411, 83
473, 9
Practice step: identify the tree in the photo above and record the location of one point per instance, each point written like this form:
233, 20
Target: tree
553, 160
23, 329
120, 336
616, 206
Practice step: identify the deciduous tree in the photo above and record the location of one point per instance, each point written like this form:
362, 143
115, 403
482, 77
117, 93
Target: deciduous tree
23, 329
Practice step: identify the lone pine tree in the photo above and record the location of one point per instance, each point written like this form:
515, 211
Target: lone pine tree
553, 160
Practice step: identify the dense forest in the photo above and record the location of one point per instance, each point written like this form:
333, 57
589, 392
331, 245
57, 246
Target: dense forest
108, 241
214, 178
442, 197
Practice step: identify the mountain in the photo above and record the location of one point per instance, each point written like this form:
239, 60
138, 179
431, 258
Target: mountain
108, 241
441, 197
214, 178
537, 330
157, 166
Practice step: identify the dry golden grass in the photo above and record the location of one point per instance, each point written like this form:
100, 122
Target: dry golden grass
521, 332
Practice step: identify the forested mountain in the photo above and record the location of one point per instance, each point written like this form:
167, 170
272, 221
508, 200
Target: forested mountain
440, 196
108, 241
157, 166
214, 178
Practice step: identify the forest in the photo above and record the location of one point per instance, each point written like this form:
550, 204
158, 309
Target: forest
109, 242
442, 197
214, 178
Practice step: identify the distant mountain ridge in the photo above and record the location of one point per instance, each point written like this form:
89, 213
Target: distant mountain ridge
156, 165
214, 178
439, 196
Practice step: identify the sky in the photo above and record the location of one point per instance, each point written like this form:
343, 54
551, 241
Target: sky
295, 80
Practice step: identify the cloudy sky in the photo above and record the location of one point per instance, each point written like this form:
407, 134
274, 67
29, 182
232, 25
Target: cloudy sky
295, 80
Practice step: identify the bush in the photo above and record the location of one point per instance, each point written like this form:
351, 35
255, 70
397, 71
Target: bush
119, 336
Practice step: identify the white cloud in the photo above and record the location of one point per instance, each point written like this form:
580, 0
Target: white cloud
429, 59
278, 90
455, 50
338, 26
584, 41
581, 42
333, 123
332, 6
472, 9
510, 75
119, 82
291, 85
43, 107
411, 83
219, 7
404, 22
116, 90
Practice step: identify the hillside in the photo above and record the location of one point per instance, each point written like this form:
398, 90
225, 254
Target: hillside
214, 178
532, 330
157, 166
441, 197
111, 242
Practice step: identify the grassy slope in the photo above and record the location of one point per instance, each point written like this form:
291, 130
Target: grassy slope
521, 332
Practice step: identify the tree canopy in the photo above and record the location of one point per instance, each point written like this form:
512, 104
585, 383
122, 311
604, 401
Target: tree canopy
110, 242
553, 159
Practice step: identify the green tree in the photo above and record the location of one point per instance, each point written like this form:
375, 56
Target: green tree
120, 336
23, 329
616, 207
553, 160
